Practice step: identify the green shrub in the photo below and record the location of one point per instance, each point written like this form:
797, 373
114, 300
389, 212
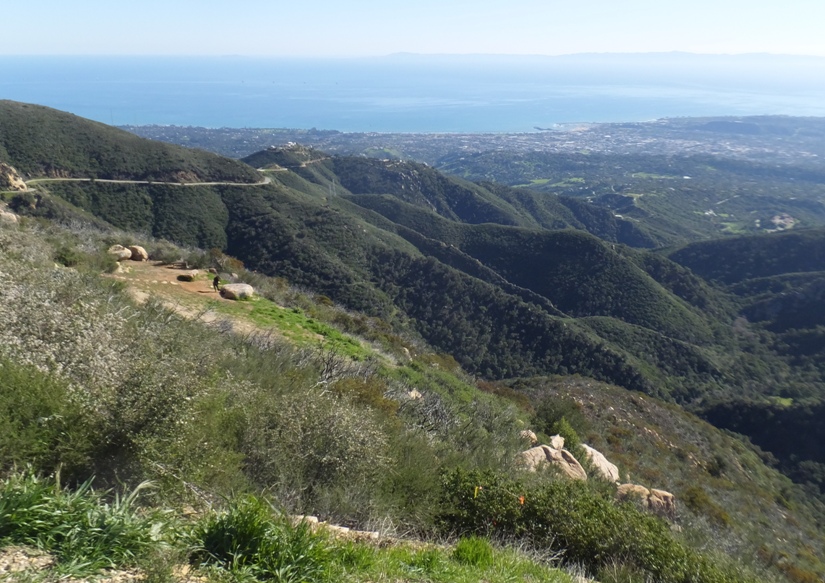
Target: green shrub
572, 441
80, 527
571, 518
316, 451
165, 252
40, 426
248, 537
68, 256
473, 551
700, 502
553, 409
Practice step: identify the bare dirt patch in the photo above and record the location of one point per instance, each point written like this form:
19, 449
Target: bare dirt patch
190, 299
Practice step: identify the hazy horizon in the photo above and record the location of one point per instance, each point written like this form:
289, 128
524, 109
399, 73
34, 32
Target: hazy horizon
373, 27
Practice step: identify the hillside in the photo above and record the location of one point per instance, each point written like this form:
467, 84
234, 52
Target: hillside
425, 255
455, 199
213, 397
675, 199
779, 282
42, 142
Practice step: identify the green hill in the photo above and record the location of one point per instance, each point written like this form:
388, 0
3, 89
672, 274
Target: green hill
42, 142
734, 260
510, 299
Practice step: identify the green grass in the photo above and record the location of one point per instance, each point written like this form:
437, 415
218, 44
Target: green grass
652, 176
294, 325
84, 529
733, 228
439, 565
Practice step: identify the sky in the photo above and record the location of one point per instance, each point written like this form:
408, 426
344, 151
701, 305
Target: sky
353, 28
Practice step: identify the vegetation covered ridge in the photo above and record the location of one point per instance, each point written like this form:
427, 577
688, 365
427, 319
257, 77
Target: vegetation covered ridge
402, 443
43, 142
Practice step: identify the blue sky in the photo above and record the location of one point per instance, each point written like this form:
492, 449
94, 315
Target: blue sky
379, 27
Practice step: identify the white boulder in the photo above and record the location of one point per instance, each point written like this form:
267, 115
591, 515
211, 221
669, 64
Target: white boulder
237, 291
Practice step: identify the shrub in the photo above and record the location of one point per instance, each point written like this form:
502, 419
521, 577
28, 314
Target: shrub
569, 517
473, 551
315, 450
39, 424
572, 441
247, 536
553, 409
68, 256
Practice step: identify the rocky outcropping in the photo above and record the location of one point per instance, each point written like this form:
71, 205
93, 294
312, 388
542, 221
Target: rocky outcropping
658, 501
536, 457
138, 253
604, 468
662, 502
120, 252
188, 275
528, 436
334, 529
10, 179
557, 442
7, 216
237, 291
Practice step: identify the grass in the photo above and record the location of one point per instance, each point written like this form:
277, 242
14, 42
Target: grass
650, 176
87, 531
84, 529
294, 325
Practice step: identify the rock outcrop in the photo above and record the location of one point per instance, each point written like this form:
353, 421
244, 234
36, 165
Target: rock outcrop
528, 436
10, 179
604, 468
658, 501
662, 502
237, 291
120, 252
188, 275
138, 253
557, 442
7, 216
534, 458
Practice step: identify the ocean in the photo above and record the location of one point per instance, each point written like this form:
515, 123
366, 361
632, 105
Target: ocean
414, 93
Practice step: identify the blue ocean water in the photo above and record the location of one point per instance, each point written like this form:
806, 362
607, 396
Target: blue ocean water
409, 93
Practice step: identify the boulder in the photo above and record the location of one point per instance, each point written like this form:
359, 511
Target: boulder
120, 252
189, 275
662, 502
627, 491
237, 291
557, 442
528, 436
10, 179
138, 253
604, 469
8, 217
299, 518
570, 465
535, 457
658, 501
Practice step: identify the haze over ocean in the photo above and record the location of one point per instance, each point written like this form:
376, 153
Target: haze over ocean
414, 93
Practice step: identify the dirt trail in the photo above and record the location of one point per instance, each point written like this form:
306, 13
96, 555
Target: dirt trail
191, 299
